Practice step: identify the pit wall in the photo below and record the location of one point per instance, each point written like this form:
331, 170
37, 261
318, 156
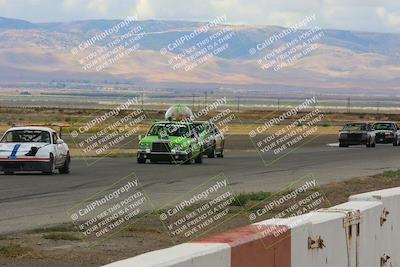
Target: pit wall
363, 232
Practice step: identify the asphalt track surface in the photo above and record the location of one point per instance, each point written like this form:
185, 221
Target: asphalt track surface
29, 201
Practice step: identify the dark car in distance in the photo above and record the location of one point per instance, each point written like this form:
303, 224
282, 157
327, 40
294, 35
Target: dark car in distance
357, 134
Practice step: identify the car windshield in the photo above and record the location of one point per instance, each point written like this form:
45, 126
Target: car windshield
26, 136
355, 127
170, 129
383, 126
200, 127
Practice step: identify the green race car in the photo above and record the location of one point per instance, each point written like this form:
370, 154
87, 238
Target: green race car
172, 142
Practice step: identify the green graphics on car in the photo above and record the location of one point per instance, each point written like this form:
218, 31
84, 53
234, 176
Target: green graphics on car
171, 140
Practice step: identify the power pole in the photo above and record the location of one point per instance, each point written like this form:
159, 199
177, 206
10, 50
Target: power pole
142, 101
348, 104
205, 99
279, 103
315, 104
238, 104
193, 104
377, 107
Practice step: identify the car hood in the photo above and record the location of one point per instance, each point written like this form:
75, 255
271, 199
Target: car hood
174, 140
354, 132
19, 147
384, 131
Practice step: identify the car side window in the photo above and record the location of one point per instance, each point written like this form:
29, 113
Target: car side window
55, 138
8, 137
192, 133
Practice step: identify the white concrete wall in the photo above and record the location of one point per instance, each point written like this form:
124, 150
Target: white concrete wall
390, 230
341, 247
365, 246
184, 255
362, 246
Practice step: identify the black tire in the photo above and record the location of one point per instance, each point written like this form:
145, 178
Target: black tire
141, 160
368, 144
65, 168
211, 154
396, 142
188, 160
153, 161
343, 145
221, 154
50, 167
373, 144
199, 158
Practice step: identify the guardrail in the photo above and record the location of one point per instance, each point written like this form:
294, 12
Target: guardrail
363, 232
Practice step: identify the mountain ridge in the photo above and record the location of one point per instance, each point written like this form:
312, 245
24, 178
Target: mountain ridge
344, 59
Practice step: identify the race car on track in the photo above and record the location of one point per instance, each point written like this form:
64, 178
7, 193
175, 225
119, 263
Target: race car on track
387, 133
171, 141
212, 138
32, 148
357, 134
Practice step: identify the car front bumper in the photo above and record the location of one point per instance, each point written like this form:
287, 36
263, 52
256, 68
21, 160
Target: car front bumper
162, 156
384, 139
8, 165
353, 142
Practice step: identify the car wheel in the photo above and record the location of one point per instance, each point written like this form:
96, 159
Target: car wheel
199, 158
51, 166
141, 160
188, 159
221, 154
65, 168
396, 142
368, 144
342, 145
153, 161
373, 144
211, 153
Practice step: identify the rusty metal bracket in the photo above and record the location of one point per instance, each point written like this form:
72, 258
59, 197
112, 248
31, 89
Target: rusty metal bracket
384, 260
352, 217
384, 216
317, 243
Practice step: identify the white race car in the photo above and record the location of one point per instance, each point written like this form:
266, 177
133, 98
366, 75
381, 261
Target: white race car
33, 149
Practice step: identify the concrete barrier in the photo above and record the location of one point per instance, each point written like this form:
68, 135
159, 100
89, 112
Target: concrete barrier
184, 255
389, 221
363, 232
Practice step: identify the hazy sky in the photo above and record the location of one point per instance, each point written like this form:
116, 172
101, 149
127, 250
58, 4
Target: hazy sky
366, 15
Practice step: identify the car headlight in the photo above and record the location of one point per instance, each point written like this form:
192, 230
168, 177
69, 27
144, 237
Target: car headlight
388, 134
177, 146
144, 146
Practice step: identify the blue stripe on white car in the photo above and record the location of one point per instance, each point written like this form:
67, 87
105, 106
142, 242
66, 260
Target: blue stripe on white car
14, 152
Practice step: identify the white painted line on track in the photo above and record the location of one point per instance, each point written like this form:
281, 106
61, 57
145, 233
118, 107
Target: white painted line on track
333, 144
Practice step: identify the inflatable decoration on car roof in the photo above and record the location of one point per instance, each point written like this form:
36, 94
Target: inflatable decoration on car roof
178, 113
